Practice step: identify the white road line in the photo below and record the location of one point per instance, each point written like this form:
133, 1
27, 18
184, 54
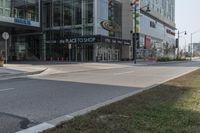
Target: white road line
124, 73
8, 89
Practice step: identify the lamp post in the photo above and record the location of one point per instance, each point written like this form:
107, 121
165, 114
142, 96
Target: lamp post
135, 38
191, 49
185, 33
135, 35
70, 48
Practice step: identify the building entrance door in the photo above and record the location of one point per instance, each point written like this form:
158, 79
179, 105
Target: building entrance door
84, 53
27, 47
108, 53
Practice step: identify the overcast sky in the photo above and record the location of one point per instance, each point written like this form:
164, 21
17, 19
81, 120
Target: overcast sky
188, 18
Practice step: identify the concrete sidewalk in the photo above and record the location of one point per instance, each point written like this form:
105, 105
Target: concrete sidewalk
14, 70
49, 68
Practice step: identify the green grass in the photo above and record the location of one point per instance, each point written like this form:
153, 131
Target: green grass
173, 107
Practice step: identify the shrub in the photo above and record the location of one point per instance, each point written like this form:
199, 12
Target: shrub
164, 59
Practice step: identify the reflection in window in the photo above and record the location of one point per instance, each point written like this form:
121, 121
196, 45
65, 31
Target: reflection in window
68, 12
78, 12
70, 17
88, 11
57, 13
1, 3
5, 7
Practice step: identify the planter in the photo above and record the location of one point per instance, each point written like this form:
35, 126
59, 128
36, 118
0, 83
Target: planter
1, 63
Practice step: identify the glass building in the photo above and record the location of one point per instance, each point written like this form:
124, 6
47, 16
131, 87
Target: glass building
21, 19
80, 19
24, 9
84, 30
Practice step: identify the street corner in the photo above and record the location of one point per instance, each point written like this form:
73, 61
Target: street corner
9, 71
11, 123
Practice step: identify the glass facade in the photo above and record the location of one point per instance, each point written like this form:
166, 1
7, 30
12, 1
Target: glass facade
23, 9
69, 14
5, 8
74, 18
165, 8
24, 42
64, 19
67, 18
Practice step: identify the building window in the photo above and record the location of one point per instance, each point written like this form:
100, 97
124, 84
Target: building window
68, 12
26, 9
89, 11
1, 3
78, 12
57, 12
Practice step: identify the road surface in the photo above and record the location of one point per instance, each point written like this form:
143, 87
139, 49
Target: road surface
25, 102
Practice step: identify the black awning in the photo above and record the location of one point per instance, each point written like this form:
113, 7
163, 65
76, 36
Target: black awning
97, 39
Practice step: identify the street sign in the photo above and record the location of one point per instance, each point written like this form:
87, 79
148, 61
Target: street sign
5, 36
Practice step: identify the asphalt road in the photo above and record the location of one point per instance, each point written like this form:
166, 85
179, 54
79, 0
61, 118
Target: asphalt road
25, 102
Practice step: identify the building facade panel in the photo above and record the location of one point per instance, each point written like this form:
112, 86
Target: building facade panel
69, 30
21, 19
157, 29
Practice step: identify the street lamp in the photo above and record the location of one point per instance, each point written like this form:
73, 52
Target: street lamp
191, 47
134, 36
183, 32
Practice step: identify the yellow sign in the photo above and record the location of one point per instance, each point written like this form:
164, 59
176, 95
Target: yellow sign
136, 5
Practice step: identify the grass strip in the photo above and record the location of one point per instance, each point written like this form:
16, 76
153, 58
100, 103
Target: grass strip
173, 107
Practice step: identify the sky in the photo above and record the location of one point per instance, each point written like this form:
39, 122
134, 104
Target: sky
188, 18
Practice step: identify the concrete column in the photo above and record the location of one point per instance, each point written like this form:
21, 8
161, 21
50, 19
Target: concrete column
95, 52
43, 51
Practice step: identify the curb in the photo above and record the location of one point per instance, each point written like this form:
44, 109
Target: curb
13, 76
52, 123
103, 69
160, 63
172, 62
